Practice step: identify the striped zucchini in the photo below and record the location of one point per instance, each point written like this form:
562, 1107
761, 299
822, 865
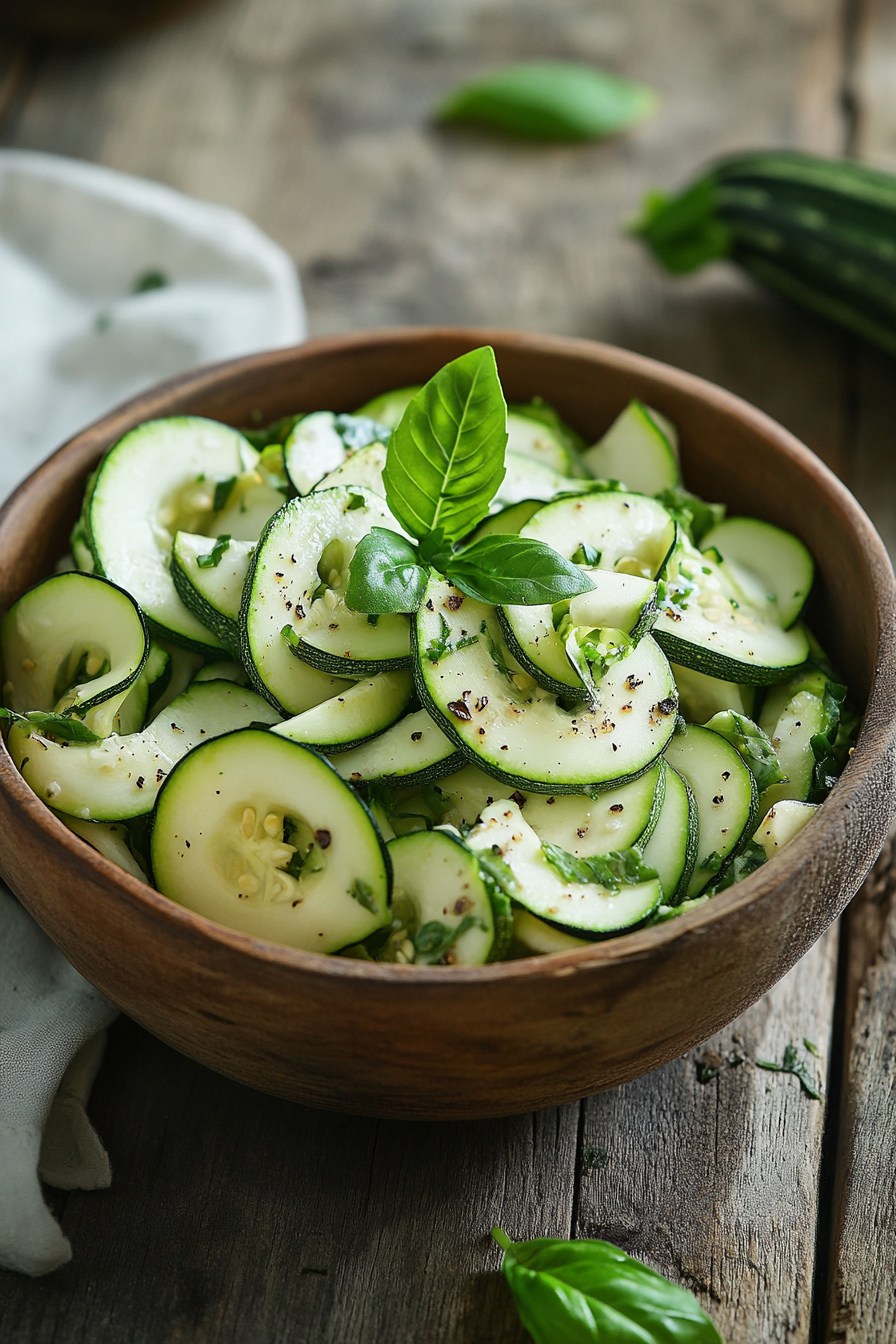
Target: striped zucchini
820, 231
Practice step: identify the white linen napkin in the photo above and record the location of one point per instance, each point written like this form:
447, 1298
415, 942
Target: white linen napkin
107, 284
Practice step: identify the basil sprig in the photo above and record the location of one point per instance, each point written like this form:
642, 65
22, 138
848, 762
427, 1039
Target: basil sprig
444, 465
590, 1292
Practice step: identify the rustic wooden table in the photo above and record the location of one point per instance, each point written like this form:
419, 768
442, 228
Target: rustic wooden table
233, 1217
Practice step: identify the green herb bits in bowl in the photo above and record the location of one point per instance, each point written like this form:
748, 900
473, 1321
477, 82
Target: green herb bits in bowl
491, 684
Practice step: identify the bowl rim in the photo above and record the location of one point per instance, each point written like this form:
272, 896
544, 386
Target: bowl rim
636, 946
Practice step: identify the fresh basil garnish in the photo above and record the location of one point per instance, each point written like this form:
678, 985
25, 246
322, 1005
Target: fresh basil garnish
441, 646
550, 100
507, 570
445, 459
53, 725
690, 512
751, 857
591, 1292
212, 558
622, 867
385, 575
362, 892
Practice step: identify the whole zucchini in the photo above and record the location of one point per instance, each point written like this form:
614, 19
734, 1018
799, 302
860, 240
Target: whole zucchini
820, 231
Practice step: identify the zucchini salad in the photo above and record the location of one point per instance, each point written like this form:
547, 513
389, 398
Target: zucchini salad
430, 683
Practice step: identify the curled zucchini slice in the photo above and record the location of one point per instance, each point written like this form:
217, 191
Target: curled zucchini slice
75, 644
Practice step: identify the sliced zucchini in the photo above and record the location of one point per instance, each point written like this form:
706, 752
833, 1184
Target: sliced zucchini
621, 601
365, 467
700, 696
781, 823
526, 479
639, 448
109, 839
81, 552
509, 521
159, 479
442, 912
119, 777
132, 716
259, 834
181, 668
709, 623
76, 644
320, 443
293, 599
388, 408
358, 715
410, 753
223, 671
672, 848
803, 718
532, 438
584, 824
777, 558
725, 795
532, 934
587, 909
243, 510
609, 529
518, 732
209, 575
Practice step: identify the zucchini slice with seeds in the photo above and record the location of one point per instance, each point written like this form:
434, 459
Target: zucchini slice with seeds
261, 835
209, 575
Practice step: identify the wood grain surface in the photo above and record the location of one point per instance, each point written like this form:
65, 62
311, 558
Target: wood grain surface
313, 119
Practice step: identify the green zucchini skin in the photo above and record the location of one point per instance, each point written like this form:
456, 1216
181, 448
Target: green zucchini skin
819, 231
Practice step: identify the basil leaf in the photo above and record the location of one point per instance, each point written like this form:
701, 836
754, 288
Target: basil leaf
59, 726
590, 1292
509, 570
385, 575
752, 744
439, 647
445, 459
550, 100
685, 232
212, 558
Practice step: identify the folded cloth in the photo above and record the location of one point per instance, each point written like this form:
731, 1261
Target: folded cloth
109, 284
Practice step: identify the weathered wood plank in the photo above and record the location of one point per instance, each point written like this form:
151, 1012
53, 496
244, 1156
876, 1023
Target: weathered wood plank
862, 1305
234, 1217
715, 1183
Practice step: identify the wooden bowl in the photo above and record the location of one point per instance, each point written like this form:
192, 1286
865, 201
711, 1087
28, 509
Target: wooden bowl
438, 1043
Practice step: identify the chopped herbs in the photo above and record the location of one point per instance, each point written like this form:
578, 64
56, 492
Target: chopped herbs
613, 871
362, 892
212, 558
223, 491
434, 940
791, 1063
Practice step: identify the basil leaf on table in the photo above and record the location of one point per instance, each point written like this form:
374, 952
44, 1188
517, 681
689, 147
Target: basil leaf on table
590, 1292
60, 726
385, 575
445, 459
507, 570
550, 100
